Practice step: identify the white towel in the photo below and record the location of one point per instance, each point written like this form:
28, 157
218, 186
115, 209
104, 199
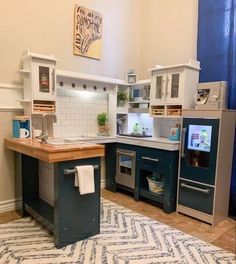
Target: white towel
84, 179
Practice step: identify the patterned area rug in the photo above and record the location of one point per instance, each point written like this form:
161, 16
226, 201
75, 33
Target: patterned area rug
126, 237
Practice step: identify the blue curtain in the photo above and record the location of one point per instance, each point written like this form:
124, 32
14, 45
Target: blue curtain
217, 55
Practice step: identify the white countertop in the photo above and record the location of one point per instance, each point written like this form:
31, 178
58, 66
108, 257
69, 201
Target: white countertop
151, 142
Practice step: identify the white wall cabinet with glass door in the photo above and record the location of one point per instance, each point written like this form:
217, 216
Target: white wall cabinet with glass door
44, 80
167, 87
173, 88
39, 83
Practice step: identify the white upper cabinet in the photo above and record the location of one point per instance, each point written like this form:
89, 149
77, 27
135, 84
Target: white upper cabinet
173, 85
39, 83
44, 80
165, 87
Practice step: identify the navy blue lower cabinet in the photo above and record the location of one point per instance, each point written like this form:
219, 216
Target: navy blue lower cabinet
157, 176
150, 163
110, 163
74, 217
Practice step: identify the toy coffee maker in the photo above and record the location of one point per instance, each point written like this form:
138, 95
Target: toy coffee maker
175, 133
21, 127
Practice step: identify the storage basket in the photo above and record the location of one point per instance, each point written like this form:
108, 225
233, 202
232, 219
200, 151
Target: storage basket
155, 186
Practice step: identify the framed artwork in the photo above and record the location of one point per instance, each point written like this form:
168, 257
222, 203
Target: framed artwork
87, 33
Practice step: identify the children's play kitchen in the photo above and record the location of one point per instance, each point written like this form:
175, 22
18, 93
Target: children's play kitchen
167, 139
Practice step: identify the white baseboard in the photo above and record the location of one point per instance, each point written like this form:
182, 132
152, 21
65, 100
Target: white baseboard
103, 181
10, 205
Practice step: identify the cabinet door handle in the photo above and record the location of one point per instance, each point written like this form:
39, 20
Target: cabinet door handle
151, 159
183, 142
162, 89
125, 154
53, 80
186, 186
167, 81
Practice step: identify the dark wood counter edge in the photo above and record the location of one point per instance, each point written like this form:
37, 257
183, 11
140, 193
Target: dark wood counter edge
53, 153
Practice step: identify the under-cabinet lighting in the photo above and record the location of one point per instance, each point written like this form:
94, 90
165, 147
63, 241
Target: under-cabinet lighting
86, 94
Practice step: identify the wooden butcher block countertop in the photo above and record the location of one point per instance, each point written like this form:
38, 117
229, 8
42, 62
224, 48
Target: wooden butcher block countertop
54, 153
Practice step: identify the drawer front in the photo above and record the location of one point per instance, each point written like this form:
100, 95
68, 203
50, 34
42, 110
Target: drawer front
196, 196
152, 158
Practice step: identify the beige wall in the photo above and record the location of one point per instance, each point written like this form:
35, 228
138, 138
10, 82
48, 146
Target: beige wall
168, 33
137, 34
7, 176
47, 27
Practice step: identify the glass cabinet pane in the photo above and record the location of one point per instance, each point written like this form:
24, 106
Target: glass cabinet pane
44, 79
175, 86
159, 83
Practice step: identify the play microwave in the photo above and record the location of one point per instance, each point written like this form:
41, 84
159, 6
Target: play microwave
211, 95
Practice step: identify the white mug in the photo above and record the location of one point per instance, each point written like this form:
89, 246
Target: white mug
24, 133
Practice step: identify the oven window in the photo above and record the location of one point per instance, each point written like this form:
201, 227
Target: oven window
125, 165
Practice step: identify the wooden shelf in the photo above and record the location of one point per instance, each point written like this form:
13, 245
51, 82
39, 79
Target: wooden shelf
166, 111
151, 195
157, 111
41, 106
174, 110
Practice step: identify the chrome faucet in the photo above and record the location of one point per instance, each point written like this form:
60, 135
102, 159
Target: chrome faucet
44, 135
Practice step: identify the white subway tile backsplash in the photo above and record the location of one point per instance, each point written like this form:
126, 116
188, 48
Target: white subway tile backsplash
75, 99
77, 112
165, 126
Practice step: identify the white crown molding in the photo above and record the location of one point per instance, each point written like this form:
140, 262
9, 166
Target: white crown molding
10, 205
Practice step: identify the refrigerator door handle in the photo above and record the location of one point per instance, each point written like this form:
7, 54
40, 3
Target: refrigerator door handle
183, 142
186, 186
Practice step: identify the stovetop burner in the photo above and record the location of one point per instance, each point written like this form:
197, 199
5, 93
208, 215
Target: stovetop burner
139, 135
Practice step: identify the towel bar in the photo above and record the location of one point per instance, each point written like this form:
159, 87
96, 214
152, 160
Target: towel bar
70, 171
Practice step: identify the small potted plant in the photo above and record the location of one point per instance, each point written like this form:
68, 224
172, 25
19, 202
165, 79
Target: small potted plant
122, 97
102, 119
